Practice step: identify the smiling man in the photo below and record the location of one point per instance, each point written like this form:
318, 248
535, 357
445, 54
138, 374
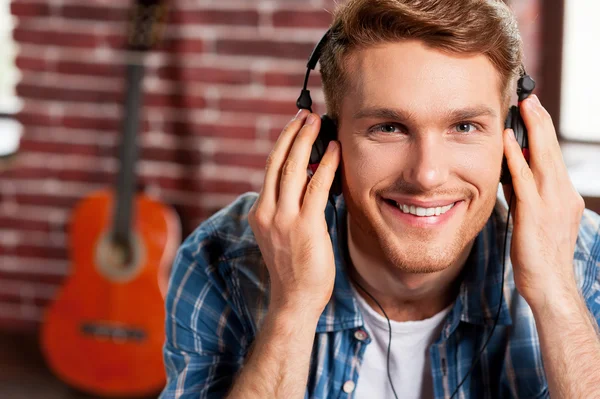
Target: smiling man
399, 286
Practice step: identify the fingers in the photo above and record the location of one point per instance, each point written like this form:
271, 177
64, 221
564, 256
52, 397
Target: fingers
546, 157
293, 172
270, 191
523, 182
317, 192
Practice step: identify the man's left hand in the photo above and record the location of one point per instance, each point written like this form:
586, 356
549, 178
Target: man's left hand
546, 211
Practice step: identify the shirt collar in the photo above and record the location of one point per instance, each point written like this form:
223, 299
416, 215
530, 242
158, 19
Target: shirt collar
479, 294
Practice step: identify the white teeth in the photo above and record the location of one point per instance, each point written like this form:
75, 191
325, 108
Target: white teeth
418, 211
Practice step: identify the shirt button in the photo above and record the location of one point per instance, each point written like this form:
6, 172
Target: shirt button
360, 335
348, 386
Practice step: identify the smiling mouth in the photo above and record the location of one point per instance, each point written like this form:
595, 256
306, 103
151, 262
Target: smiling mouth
419, 211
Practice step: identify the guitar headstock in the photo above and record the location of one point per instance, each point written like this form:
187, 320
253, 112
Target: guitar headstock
146, 25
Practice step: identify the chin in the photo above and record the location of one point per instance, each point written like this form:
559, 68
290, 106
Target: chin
423, 256
416, 250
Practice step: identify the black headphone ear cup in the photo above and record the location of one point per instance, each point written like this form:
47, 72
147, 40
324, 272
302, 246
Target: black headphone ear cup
327, 133
514, 121
511, 122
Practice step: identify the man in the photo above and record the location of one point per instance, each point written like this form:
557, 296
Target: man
281, 295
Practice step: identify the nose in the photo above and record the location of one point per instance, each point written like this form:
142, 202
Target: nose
427, 166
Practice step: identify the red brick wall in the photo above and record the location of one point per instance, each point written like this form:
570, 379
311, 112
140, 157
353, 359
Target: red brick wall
218, 91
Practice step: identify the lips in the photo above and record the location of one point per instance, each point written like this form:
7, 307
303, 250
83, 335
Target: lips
421, 214
404, 200
422, 211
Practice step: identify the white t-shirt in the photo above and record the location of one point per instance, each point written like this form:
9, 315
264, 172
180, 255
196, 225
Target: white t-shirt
409, 356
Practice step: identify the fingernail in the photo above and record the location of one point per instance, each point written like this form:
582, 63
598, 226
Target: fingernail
301, 113
332, 146
532, 102
311, 119
511, 135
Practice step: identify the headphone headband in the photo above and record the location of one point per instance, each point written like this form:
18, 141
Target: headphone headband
525, 85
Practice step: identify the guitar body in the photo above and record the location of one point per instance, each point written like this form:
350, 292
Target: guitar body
105, 331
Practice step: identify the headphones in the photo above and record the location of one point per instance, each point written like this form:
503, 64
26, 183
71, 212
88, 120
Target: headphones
328, 131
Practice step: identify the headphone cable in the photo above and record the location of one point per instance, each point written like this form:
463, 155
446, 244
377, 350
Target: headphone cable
345, 247
501, 299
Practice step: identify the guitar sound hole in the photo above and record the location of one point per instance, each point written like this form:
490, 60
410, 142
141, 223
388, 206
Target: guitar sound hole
121, 252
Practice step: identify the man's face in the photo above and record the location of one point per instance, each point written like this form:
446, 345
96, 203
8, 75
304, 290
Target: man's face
420, 130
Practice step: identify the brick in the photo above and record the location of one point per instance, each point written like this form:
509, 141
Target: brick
274, 78
91, 122
182, 46
26, 90
90, 68
56, 38
58, 201
205, 75
223, 187
192, 184
115, 41
258, 106
16, 222
209, 130
43, 252
31, 63
30, 117
16, 297
302, 19
246, 160
215, 17
36, 173
194, 214
264, 48
174, 100
94, 13
21, 9
19, 324
31, 278
181, 156
28, 144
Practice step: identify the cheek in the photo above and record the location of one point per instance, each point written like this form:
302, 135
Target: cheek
366, 165
480, 167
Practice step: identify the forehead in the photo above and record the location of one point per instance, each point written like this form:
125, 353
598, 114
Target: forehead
419, 79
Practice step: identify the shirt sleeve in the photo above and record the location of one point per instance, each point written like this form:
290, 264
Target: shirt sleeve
204, 347
589, 236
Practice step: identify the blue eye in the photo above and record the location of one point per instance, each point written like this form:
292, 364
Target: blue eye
385, 128
465, 127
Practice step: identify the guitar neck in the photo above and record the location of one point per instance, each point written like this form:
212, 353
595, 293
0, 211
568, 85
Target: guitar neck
128, 152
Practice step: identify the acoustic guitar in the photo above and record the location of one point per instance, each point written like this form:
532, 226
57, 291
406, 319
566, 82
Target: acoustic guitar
105, 331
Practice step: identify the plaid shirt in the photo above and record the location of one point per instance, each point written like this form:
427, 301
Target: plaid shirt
218, 297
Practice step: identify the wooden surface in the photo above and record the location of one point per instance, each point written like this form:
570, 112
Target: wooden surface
24, 375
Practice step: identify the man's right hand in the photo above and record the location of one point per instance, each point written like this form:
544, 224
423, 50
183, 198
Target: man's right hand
288, 219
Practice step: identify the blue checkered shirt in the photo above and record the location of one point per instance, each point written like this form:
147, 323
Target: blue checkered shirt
218, 298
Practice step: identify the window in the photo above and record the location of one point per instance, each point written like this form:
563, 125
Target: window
8, 72
580, 99
10, 130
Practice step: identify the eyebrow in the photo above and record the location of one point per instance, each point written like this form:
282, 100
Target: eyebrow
400, 115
